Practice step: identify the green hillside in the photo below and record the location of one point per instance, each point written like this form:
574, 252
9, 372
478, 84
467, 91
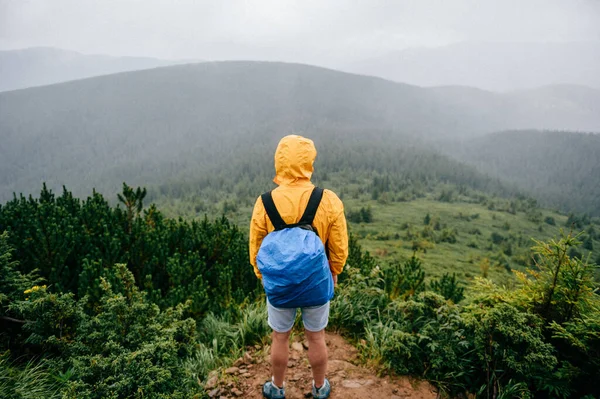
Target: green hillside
464, 228
560, 169
462, 237
182, 122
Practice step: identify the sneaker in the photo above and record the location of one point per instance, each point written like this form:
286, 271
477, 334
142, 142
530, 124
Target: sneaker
323, 392
271, 391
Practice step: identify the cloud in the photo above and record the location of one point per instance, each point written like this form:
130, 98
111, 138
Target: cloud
307, 31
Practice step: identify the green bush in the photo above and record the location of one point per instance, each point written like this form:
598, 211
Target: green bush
448, 287
510, 346
550, 220
358, 301
125, 347
540, 339
74, 243
364, 215
497, 238
422, 336
357, 258
448, 235
13, 286
403, 280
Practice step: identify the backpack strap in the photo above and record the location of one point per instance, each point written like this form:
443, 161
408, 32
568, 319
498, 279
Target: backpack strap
311, 209
306, 219
272, 211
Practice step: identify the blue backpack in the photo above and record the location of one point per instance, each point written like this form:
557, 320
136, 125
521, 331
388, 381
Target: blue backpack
292, 259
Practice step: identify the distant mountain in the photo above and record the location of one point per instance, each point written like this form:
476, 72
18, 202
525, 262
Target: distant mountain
556, 107
40, 66
490, 66
561, 169
179, 122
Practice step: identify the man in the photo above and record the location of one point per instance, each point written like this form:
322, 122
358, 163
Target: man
294, 160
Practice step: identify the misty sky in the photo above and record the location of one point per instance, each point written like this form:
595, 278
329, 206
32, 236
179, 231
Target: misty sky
312, 31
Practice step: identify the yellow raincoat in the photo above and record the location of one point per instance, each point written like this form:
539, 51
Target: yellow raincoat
294, 160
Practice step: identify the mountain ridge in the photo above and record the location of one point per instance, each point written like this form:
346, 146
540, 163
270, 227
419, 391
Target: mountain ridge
39, 66
151, 126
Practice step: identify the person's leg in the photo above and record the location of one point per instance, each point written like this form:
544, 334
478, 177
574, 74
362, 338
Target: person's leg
279, 356
315, 320
281, 321
317, 355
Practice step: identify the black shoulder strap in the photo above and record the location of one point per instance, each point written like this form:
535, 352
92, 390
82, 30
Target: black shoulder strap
306, 219
272, 211
311, 209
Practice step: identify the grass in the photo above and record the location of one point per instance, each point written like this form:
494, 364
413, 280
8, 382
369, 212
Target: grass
386, 236
474, 223
221, 342
31, 381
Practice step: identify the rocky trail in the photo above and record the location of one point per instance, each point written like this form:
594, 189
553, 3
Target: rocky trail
349, 379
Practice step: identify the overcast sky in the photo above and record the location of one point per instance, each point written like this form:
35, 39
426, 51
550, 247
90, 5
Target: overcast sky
313, 31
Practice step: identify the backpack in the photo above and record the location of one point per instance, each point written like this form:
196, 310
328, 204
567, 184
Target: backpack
292, 259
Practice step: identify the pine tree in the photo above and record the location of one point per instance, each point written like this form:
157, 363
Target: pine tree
448, 287
405, 280
588, 243
133, 201
427, 219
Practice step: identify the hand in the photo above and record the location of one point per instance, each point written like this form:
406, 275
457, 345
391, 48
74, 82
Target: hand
334, 280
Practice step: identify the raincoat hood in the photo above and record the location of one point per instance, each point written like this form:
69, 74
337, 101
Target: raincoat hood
294, 160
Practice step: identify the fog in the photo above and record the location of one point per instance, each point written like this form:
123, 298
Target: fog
309, 31
359, 36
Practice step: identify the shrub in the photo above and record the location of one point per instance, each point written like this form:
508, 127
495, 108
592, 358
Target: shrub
446, 195
448, 235
357, 258
422, 336
588, 243
473, 244
540, 339
497, 238
126, 346
364, 215
509, 345
13, 285
560, 293
406, 279
358, 301
448, 287
577, 221
427, 220
74, 243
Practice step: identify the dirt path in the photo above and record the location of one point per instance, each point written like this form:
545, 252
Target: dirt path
348, 379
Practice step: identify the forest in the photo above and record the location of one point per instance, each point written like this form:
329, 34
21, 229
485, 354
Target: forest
560, 166
186, 123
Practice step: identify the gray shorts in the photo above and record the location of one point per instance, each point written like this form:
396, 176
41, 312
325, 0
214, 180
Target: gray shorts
314, 318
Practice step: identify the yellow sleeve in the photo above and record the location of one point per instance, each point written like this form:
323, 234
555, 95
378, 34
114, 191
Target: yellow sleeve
337, 244
258, 231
